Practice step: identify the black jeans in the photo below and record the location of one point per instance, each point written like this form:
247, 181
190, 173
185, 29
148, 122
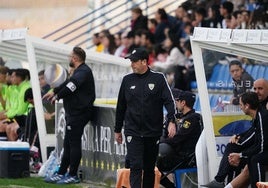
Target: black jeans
142, 154
256, 167
225, 169
72, 143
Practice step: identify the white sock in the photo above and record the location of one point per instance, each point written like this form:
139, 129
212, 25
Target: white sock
229, 186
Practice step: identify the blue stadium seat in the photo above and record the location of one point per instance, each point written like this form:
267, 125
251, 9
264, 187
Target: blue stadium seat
197, 103
216, 80
265, 76
261, 72
255, 71
248, 68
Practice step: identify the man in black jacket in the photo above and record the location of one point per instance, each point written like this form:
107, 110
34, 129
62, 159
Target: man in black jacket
178, 152
78, 94
139, 108
247, 148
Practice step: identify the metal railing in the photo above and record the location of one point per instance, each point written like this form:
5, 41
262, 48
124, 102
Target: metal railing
114, 16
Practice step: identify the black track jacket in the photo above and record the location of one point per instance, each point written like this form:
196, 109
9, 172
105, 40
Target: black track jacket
140, 104
78, 92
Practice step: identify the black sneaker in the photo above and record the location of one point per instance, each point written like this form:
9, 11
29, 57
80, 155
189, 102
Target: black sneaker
54, 178
214, 184
69, 180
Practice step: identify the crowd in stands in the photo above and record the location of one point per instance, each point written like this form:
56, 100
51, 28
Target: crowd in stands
166, 36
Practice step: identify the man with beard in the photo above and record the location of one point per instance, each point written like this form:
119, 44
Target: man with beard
78, 94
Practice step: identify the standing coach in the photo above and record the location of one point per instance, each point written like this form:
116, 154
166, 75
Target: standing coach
141, 98
78, 94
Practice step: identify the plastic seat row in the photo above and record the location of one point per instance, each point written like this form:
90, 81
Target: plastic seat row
216, 102
221, 79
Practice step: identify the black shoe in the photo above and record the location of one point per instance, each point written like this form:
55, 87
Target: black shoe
214, 184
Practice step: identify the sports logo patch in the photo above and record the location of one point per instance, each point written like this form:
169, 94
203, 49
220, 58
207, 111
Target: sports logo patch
132, 87
129, 138
71, 86
186, 124
151, 86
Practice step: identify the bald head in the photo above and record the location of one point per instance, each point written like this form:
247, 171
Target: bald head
260, 87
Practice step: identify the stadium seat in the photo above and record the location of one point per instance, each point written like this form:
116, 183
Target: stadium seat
261, 72
255, 72
249, 68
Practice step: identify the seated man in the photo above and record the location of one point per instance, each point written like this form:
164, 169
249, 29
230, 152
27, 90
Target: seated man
261, 88
176, 152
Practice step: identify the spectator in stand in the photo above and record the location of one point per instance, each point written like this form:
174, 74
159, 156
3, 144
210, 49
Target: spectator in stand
147, 41
180, 13
162, 25
108, 42
118, 39
97, 42
259, 19
179, 151
188, 30
236, 20
226, 8
160, 54
214, 18
121, 50
188, 72
152, 23
200, 15
228, 22
245, 19
242, 81
138, 20
175, 62
137, 37
131, 42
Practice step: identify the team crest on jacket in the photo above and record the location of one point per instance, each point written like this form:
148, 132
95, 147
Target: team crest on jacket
129, 138
151, 86
186, 124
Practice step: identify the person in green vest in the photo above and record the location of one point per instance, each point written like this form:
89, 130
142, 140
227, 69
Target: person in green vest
16, 107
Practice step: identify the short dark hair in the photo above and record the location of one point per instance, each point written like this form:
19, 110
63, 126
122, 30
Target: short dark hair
229, 6
22, 73
80, 53
250, 98
41, 73
235, 62
28, 94
137, 10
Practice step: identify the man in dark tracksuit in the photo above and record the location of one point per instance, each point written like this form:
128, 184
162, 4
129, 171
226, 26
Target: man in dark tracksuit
78, 94
178, 152
257, 154
238, 142
140, 104
245, 146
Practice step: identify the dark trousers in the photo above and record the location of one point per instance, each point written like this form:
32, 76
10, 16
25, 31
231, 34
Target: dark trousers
72, 143
256, 168
225, 169
142, 154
